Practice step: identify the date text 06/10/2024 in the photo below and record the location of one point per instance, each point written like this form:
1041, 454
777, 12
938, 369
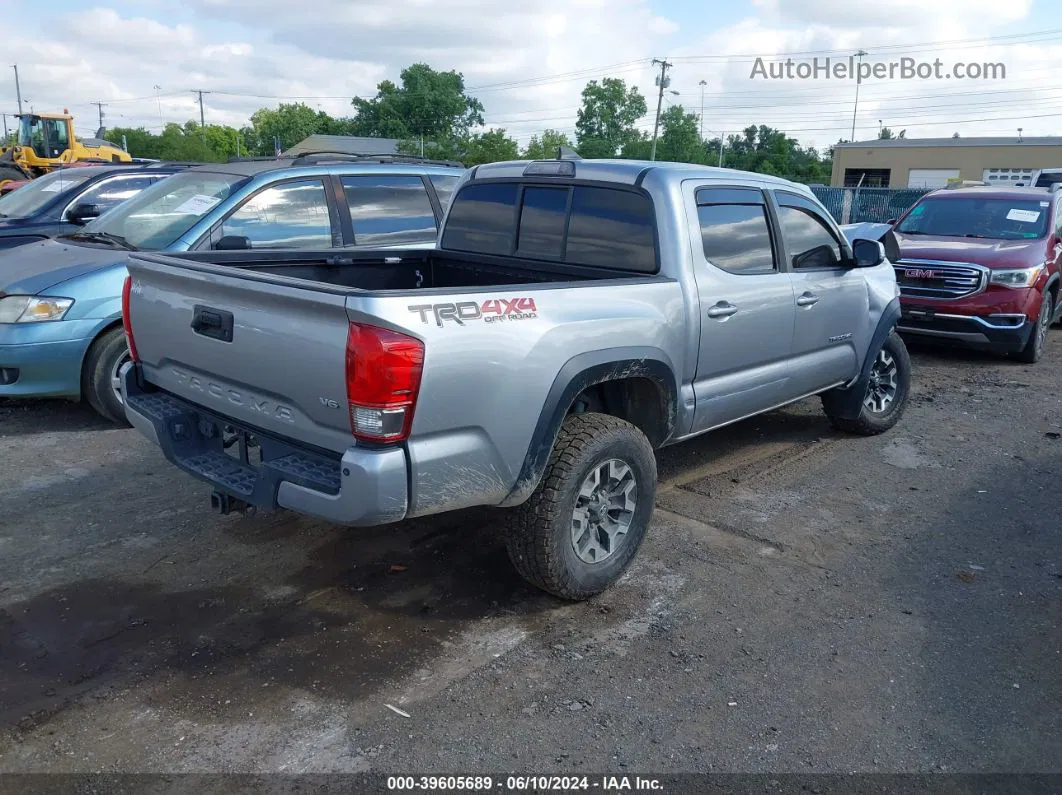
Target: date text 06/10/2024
605, 784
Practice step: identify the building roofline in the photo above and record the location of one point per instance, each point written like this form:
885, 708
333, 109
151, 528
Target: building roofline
915, 143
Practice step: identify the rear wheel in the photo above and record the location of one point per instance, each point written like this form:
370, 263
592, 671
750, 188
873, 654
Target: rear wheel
582, 526
100, 381
887, 389
1034, 348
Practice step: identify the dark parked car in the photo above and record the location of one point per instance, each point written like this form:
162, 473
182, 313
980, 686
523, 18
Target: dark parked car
65, 200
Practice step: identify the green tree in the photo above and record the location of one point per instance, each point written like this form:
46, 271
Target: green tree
185, 143
140, 142
680, 137
638, 147
489, 147
428, 106
884, 134
545, 148
606, 120
289, 123
769, 151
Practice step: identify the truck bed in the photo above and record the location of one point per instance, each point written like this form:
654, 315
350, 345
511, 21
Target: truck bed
405, 269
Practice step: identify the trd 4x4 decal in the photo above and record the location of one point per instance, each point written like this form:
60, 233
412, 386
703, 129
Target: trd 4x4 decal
495, 310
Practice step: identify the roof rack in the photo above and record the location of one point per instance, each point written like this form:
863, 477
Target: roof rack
325, 156
254, 159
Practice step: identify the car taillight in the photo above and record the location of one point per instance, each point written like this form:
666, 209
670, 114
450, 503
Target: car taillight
383, 378
127, 323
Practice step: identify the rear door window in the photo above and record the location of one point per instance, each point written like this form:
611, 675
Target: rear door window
389, 210
737, 237
444, 188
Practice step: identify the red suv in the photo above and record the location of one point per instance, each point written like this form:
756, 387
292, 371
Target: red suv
980, 267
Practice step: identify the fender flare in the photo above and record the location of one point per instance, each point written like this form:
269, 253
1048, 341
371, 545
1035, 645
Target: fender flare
578, 374
847, 402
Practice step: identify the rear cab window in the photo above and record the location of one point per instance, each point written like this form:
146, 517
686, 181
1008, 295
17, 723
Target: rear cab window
586, 225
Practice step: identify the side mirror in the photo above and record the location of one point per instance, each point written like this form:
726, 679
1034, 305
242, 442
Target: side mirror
867, 253
891, 221
233, 243
81, 214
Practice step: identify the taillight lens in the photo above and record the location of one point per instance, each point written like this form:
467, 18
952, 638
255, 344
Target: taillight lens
127, 323
383, 378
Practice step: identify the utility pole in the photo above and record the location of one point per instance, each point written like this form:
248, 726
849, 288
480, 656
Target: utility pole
5, 128
859, 80
202, 115
100, 106
663, 82
18, 89
721, 139
702, 84
158, 99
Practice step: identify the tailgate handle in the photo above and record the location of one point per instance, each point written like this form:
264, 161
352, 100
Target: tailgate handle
213, 323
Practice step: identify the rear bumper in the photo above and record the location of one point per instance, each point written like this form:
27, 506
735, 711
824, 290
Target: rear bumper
363, 487
996, 333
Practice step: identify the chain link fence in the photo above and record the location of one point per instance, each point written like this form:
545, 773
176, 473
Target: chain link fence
874, 205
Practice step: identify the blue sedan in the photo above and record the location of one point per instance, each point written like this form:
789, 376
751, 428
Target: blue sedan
60, 300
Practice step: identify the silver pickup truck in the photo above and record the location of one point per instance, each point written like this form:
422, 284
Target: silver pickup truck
575, 316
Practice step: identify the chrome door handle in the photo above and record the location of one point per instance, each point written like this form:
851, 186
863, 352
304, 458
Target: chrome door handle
807, 299
722, 309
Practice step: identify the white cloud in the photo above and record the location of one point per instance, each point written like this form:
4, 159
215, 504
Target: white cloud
249, 53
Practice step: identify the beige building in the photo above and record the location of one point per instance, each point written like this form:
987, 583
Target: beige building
931, 162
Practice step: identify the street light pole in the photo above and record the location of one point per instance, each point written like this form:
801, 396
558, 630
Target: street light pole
18, 89
859, 80
702, 84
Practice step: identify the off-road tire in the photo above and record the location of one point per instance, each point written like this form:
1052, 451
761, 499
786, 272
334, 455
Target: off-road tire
108, 349
539, 535
1034, 348
870, 423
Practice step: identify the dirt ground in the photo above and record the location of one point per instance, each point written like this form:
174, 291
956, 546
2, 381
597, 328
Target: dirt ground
805, 602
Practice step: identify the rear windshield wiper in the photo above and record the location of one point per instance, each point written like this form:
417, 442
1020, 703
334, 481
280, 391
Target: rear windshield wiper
103, 237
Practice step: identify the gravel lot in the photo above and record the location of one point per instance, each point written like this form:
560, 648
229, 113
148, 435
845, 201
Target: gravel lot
805, 602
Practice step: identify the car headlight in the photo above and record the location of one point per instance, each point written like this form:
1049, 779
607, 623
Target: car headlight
1017, 277
31, 309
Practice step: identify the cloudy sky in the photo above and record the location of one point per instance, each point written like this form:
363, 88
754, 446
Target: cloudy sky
527, 61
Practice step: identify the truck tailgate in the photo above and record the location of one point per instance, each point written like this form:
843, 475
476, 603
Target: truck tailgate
208, 336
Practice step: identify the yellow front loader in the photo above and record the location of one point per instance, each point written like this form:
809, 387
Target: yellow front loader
46, 141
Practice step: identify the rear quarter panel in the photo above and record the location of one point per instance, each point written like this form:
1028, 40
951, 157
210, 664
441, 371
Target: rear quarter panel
486, 380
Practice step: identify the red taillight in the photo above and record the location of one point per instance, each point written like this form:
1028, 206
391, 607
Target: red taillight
383, 378
127, 323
